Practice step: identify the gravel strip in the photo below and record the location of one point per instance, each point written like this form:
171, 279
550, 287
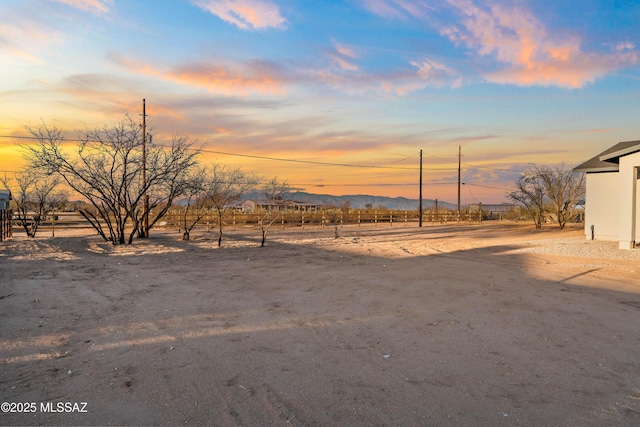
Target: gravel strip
579, 247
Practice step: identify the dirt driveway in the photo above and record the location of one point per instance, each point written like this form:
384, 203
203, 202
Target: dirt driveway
489, 324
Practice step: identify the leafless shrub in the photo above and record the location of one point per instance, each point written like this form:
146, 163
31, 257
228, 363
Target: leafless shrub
35, 197
106, 168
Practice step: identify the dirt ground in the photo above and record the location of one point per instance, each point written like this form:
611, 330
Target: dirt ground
461, 325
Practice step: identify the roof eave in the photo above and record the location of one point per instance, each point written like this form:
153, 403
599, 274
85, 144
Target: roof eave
619, 153
613, 168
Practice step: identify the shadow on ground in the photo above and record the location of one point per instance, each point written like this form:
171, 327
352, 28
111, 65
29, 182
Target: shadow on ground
374, 328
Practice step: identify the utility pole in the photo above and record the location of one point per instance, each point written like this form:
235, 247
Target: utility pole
420, 205
459, 155
145, 213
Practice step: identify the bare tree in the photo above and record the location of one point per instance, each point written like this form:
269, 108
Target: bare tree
106, 169
36, 197
195, 193
178, 175
564, 188
224, 187
274, 192
531, 192
561, 188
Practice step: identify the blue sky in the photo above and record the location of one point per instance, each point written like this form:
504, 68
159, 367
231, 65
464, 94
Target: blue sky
358, 82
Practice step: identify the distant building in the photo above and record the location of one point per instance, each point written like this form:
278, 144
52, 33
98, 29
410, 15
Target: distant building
5, 199
612, 197
493, 210
250, 206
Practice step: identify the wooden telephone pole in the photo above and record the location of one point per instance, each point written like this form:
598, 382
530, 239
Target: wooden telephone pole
459, 155
420, 205
145, 212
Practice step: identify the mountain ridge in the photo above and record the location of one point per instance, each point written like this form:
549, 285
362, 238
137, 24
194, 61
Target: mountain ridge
357, 201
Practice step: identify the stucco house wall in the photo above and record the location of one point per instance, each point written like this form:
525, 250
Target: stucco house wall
601, 206
628, 222
613, 194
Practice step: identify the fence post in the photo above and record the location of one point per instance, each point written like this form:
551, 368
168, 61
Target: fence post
358, 218
391, 218
375, 217
436, 209
6, 224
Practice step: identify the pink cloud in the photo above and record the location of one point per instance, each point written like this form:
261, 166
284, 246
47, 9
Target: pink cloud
21, 35
245, 14
343, 55
533, 57
253, 76
97, 7
342, 62
347, 76
345, 50
625, 46
437, 73
26, 32
398, 83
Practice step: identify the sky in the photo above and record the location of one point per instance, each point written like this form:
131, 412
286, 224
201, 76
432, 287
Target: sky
335, 97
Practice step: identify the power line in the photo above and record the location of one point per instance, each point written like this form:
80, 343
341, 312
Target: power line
33, 138
253, 156
487, 186
312, 162
406, 158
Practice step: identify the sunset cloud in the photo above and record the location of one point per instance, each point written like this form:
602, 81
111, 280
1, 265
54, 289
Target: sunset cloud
22, 35
26, 31
437, 73
343, 56
625, 46
517, 39
526, 52
245, 14
254, 76
97, 7
261, 77
398, 82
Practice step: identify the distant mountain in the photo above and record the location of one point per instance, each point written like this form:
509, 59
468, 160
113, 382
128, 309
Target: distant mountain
359, 201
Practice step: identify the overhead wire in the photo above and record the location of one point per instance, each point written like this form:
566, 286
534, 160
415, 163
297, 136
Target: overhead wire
317, 162
254, 156
487, 186
312, 162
